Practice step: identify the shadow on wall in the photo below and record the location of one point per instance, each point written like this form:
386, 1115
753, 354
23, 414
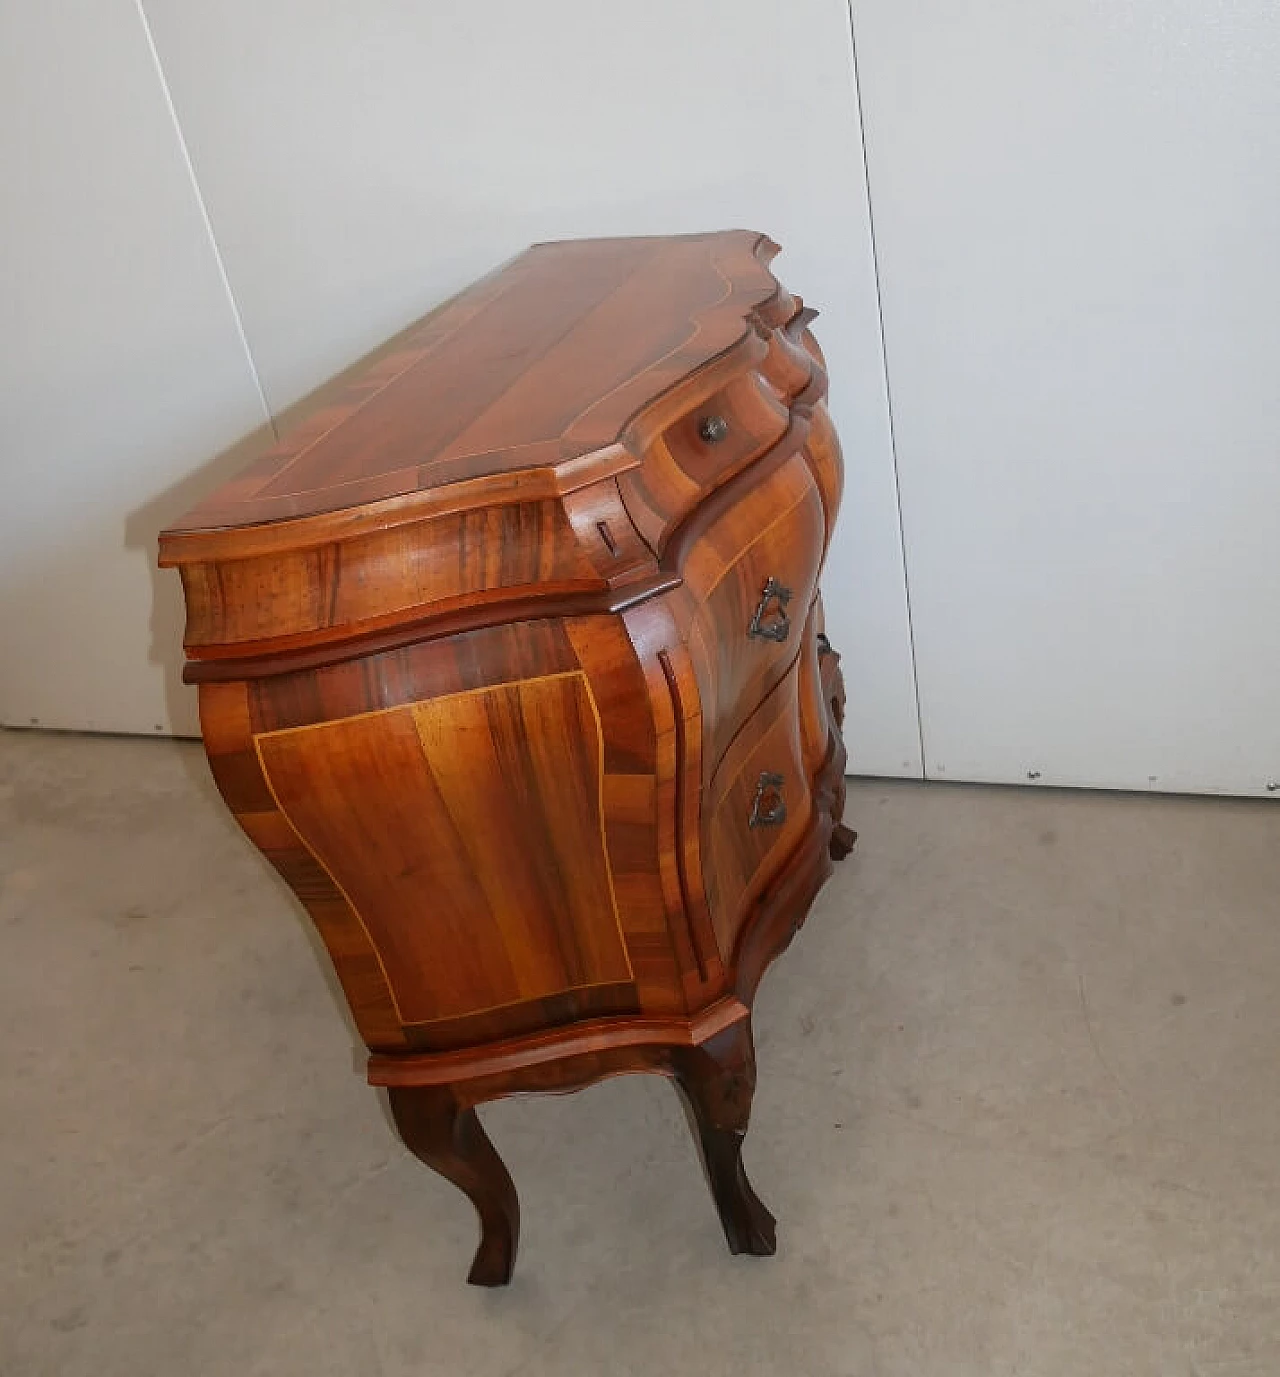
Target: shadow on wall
168, 621
144, 524
168, 612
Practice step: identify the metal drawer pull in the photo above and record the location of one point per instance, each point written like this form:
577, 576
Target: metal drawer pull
712, 429
769, 808
778, 627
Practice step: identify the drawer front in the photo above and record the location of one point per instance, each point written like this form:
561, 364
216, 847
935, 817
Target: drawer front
758, 809
699, 451
750, 580
731, 428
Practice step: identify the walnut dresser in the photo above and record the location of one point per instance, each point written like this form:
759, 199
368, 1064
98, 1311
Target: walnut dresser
512, 663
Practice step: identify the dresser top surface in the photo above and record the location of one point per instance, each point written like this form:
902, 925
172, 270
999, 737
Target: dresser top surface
542, 365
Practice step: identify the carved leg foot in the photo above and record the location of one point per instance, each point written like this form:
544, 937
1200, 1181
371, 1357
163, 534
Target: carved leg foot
450, 1140
842, 840
718, 1079
842, 837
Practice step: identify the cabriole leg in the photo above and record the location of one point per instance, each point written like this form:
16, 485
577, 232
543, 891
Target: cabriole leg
718, 1079
450, 1140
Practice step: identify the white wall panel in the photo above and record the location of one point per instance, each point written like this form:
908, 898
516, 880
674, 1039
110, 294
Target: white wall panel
1077, 210
361, 162
123, 370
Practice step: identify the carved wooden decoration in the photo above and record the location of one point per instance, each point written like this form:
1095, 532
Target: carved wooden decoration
512, 662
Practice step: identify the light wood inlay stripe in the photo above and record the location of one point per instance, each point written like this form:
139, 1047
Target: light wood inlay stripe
479, 872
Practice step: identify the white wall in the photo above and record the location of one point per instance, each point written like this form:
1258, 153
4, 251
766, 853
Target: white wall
122, 363
1077, 212
359, 163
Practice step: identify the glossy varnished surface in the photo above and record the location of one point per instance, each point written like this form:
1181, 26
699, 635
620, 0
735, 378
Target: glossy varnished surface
774, 540
511, 662
440, 801
592, 533
744, 845
474, 821
544, 361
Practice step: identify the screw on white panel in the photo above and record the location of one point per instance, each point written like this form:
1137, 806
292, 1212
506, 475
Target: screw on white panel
1273, 786
1033, 774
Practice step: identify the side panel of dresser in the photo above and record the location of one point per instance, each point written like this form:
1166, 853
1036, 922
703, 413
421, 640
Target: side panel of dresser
477, 826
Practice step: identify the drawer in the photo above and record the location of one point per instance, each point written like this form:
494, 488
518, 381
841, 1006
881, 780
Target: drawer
751, 578
726, 432
701, 449
756, 811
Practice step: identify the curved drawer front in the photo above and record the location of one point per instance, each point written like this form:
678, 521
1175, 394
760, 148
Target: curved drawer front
750, 579
384, 576
726, 432
759, 808
706, 446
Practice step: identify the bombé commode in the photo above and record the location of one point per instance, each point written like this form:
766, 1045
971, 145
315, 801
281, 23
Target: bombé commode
511, 661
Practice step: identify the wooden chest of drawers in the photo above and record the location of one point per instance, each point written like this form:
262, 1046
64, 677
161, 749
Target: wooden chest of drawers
512, 663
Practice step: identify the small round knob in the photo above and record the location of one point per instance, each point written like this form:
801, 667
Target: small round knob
713, 429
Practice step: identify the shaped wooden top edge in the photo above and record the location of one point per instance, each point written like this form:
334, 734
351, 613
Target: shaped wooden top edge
385, 410
182, 546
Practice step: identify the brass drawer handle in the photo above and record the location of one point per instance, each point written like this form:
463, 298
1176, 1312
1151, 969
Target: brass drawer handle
773, 605
712, 429
768, 808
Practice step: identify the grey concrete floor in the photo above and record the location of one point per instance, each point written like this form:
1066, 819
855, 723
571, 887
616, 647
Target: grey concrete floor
1018, 1113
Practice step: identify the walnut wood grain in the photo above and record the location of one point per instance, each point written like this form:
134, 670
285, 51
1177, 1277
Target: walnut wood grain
718, 1079
772, 539
467, 832
554, 357
743, 849
511, 661
448, 1137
